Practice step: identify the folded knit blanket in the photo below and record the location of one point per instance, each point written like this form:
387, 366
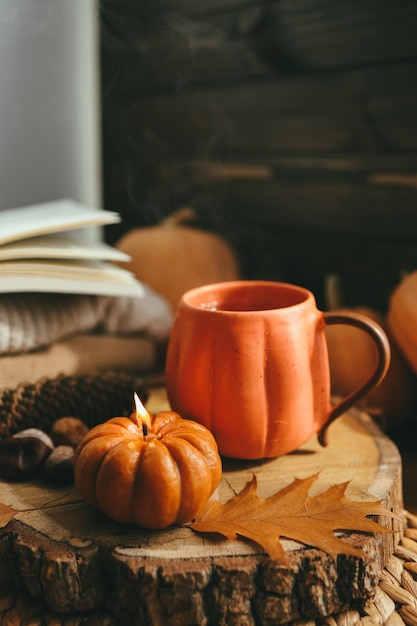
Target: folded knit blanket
29, 321
80, 355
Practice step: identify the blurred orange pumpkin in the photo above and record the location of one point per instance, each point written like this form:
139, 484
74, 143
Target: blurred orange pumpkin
402, 317
352, 357
173, 257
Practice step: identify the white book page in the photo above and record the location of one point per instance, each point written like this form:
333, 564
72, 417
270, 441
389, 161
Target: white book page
53, 284
88, 277
51, 217
85, 269
61, 246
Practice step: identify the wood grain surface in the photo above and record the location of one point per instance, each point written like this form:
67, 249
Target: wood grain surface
59, 549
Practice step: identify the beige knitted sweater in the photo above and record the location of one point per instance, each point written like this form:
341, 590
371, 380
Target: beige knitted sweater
30, 321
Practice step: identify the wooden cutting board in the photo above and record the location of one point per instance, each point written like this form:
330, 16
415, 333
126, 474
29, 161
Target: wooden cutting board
75, 559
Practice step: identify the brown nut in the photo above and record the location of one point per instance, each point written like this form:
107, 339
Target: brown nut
24, 453
58, 466
68, 431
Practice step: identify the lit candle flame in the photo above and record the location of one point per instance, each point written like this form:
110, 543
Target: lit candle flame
141, 414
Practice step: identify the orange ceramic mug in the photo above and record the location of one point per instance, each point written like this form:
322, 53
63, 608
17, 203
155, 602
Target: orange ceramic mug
248, 359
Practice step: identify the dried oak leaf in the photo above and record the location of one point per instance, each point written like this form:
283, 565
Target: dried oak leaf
291, 513
6, 514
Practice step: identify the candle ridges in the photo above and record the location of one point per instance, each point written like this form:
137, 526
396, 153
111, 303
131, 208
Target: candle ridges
154, 474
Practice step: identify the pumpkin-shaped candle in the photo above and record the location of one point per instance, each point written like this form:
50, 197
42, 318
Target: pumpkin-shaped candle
154, 471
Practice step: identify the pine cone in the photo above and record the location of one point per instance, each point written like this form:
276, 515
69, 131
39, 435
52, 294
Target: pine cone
93, 399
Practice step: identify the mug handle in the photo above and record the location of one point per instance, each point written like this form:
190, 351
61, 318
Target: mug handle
382, 345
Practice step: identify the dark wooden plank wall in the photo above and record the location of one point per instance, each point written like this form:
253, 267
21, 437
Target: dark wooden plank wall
290, 125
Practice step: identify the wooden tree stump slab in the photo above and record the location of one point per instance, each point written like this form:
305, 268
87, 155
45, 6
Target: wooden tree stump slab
74, 559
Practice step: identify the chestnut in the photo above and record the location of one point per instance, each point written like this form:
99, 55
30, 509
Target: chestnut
24, 453
58, 466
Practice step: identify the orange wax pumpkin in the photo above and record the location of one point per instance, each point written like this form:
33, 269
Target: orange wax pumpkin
153, 476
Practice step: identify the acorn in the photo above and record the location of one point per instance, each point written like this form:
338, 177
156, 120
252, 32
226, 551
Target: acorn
23, 454
68, 431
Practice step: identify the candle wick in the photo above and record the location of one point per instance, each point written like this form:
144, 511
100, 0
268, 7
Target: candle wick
144, 429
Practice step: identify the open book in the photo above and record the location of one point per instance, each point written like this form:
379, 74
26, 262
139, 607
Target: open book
57, 247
